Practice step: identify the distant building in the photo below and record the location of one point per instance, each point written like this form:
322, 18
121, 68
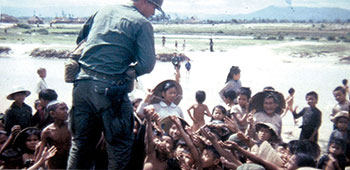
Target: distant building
35, 20
8, 19
63, 20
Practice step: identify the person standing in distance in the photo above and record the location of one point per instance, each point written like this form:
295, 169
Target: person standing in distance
119, 47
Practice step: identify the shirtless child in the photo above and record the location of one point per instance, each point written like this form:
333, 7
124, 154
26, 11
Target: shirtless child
158, 149
199, 110
57, 134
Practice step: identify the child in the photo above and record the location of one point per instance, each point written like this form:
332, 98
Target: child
335, 159
219, 113
230, 99
57, 134
239, 112
341, 122
340, 96
19, 113
346, 87
42, 118
199, 110
26, 141
41, 85
289, 101
232, 81
158, 151
311, 118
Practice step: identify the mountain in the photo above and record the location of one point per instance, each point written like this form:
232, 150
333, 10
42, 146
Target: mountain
291, 13
272, 12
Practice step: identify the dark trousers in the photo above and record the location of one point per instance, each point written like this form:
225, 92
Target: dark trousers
91, 114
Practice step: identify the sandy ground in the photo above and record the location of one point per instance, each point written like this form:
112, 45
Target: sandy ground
261, 66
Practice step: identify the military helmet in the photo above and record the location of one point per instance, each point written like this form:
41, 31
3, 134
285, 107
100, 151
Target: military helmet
158, 4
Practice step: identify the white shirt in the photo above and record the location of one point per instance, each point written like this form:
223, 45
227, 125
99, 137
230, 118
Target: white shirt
162, 109
41, 85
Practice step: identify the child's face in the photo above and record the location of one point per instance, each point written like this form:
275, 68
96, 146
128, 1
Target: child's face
42, 73
185, 160
236, 76
61, 112
342, 123
19, 97
208, 158
242, 100
270, 106
168, 143
335, 149
339, 96
32, 141
311, 101
218, 115
264, 134
173, 132
292, 164
170, 95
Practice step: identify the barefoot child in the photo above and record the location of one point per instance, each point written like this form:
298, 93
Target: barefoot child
41, 85
340, 96
199, 110
57, 134
289, 101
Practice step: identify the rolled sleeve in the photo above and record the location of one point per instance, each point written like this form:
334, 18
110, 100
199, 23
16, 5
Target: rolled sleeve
145, 50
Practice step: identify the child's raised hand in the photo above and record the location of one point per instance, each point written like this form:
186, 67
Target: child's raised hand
15, 130
175, 120
47, 154
209, 135
148, 111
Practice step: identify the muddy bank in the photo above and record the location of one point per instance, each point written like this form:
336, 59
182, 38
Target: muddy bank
52, 53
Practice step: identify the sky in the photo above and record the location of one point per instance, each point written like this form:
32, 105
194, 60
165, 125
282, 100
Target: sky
184, 7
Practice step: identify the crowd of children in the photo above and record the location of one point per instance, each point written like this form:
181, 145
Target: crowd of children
243, 134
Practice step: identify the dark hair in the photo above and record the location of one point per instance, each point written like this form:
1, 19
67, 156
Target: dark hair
22, 143
168, 86
340, 88
345, 82
222, 108
283, 144
200, 96
269, 88
211, 148
339, 142
230, 94
291, 90
271, 96
304, 146
312, 93
233, 71
245, 91
12, 158
48, 94
305, 160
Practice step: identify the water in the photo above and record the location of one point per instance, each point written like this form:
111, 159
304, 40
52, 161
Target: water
261, 66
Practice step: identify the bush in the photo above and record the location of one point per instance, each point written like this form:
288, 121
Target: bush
331, 38
24, 26
42, 31
4, 50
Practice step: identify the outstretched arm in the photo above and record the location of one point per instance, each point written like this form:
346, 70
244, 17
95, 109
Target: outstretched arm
47, 154
252, 157
207, 112
187, 139
44, 136
14, 131
149, 111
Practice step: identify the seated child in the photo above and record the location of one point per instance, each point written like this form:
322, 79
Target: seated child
311, 118
335, 159
239, 112
199, 110
57, 134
